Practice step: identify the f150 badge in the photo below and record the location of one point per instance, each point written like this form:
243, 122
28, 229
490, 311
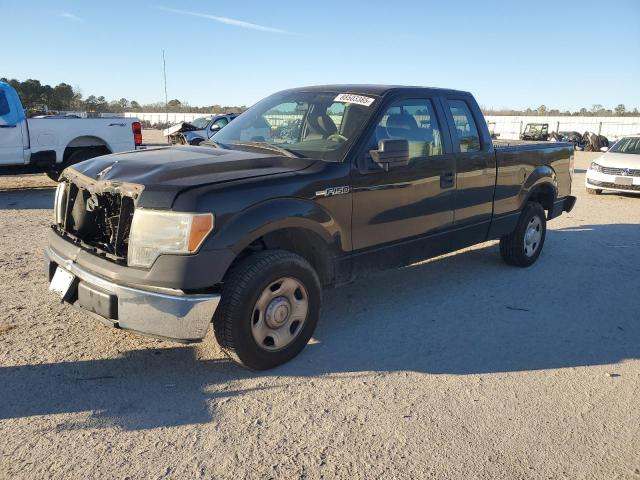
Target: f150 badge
331, 191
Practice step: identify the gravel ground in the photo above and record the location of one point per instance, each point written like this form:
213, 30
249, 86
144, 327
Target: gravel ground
460, 367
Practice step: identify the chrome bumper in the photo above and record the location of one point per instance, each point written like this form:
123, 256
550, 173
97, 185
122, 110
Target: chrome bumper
165, 313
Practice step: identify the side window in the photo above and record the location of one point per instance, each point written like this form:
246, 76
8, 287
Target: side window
4, 104
465, 126
221, 122
414, 120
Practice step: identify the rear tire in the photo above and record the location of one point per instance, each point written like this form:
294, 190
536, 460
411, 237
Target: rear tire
76, 157
242, 321
522, 247
594, 191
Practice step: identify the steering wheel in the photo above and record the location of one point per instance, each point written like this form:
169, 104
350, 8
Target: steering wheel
336, 137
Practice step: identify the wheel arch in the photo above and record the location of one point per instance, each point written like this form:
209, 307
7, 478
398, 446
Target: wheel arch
542, 187
85, 141
294, 225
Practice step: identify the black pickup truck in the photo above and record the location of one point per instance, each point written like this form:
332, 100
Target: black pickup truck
308, 189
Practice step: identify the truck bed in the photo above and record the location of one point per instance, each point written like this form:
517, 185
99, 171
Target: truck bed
517, 160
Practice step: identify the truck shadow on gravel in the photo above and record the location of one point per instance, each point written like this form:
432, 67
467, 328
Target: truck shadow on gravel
27, 199
463, 314
471, 314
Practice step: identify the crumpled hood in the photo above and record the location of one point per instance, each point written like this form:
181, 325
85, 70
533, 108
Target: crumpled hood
165, 171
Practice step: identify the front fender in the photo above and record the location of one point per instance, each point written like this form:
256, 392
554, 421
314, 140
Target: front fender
247, 226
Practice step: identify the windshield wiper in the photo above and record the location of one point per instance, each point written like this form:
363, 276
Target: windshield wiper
214, 144
273, 148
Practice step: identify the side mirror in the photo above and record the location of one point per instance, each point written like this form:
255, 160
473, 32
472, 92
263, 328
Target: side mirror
215, 127
604, 149
391, 153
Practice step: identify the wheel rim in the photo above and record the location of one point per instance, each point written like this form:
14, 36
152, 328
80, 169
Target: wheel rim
279, 314
532, 236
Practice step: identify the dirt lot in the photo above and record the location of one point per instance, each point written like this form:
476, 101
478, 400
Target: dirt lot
461, 367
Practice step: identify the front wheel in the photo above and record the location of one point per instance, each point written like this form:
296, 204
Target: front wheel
522, 247
269, 309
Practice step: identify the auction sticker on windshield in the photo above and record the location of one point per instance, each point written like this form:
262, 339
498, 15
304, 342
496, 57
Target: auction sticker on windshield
351, 98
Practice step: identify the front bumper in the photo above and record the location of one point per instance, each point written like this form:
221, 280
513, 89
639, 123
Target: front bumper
603, 181
160, 312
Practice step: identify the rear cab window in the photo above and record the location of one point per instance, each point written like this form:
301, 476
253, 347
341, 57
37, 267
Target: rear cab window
465, 126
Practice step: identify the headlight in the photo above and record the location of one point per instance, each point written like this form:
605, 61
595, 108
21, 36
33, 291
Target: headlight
595, 167
156, 232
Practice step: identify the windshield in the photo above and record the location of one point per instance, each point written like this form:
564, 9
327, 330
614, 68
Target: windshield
534, 128
201, 122
627, 145
319, 125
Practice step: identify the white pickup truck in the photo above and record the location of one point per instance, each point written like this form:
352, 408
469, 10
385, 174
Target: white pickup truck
54, 143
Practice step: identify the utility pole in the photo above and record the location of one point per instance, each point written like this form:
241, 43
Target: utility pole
166, 99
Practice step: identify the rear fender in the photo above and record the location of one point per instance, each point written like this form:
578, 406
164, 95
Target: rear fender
542, 178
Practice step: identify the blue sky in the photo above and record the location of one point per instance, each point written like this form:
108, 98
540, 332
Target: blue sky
564, 54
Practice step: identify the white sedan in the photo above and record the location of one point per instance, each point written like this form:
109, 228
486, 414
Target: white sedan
618, 169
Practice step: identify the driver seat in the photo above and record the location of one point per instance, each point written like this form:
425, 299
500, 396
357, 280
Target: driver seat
320, 125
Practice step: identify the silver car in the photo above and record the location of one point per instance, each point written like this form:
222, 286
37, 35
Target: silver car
198, 130
618, 169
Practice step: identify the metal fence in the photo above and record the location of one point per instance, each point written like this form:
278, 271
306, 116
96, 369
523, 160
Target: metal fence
508, 127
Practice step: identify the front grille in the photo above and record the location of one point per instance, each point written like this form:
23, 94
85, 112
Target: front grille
596, 183
629, 172
100, 221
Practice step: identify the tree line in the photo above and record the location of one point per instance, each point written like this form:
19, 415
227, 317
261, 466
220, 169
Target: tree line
38, 99
596, 110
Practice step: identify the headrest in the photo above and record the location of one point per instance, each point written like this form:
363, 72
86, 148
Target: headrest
403, 121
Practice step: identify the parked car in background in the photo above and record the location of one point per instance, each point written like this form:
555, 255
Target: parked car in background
198, 130
53, 143
618, 169
309, 188
535, 131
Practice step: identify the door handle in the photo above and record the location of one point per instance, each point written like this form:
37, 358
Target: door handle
447, 180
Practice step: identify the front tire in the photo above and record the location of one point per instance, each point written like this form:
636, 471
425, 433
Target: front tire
522, 247
269, 309
594, 191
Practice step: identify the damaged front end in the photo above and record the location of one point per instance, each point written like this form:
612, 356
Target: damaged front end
96, 214
176, 133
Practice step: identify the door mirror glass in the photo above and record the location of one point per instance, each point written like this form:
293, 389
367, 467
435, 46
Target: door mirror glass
391, 153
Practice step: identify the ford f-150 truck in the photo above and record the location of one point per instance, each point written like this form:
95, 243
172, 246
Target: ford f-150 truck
54, 143
308, 189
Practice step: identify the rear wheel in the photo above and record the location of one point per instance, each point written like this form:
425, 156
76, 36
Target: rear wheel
522, 247
76, 157
269, 309
594, 191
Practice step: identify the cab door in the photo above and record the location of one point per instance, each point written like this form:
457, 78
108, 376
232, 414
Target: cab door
404, 214
11, 124
475, 171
